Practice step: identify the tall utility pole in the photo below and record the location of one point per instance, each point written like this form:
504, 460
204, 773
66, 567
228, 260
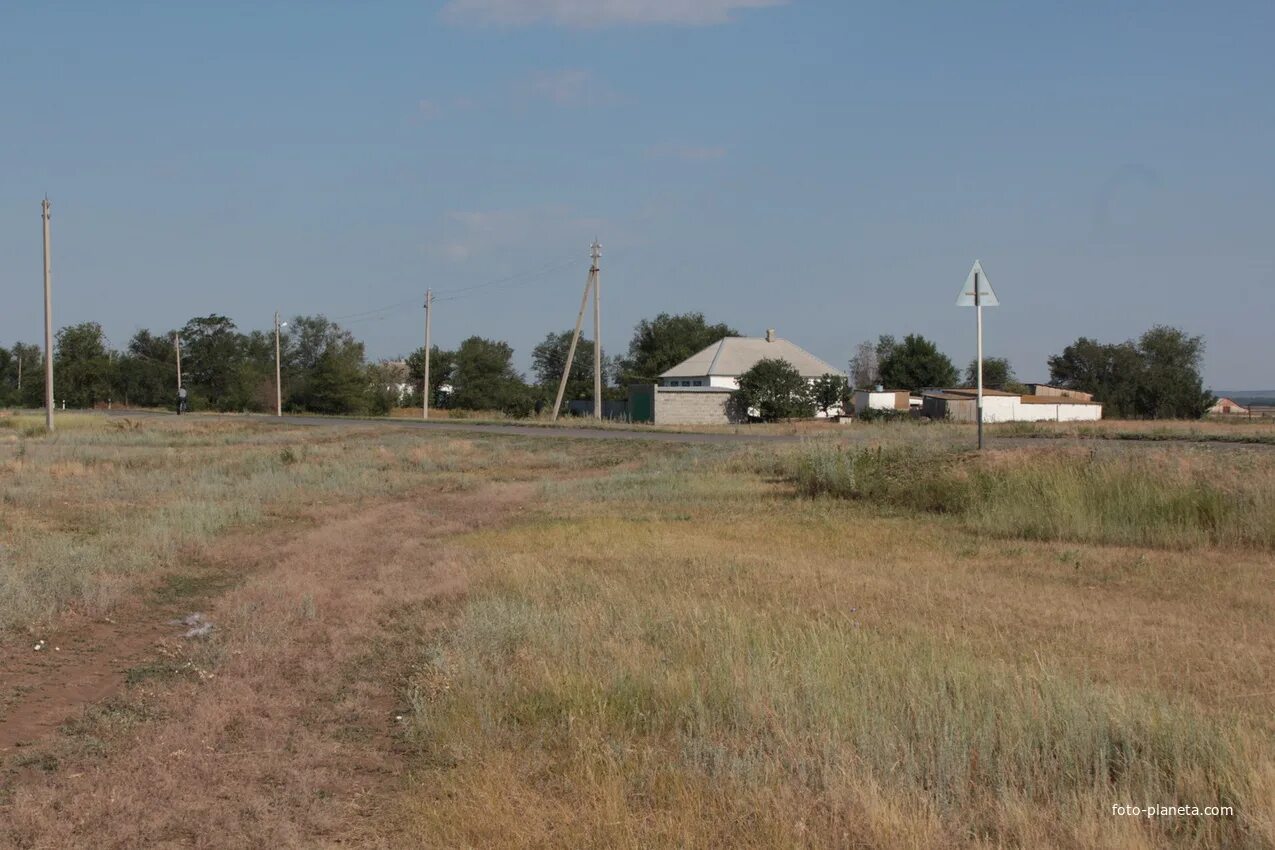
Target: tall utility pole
596, 254
177, 347
589, 284
429, 303
48, 321
278, 380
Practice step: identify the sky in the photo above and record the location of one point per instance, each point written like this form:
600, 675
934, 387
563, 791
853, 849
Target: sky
826, 168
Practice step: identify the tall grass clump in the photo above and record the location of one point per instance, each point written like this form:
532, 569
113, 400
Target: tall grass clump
1166, 499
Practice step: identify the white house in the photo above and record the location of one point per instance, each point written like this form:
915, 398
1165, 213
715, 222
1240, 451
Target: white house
698, 390
721, 364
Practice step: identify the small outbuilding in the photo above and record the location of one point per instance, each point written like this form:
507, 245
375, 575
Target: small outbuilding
1226, 407
961, 405
881, 399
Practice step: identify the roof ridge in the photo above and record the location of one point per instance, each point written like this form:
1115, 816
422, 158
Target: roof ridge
721, 343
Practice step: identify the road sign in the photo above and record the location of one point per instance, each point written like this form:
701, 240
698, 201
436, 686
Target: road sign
986, 297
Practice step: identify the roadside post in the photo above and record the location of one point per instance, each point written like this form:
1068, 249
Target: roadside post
977, 293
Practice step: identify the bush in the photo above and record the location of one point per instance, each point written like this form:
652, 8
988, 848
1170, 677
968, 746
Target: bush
776, 390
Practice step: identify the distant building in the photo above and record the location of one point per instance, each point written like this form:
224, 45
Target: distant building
721, 364
1226, 407
1048, 390
698, 390
961, 405
881, 399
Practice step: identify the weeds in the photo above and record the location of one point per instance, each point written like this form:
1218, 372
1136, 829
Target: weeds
1053, 495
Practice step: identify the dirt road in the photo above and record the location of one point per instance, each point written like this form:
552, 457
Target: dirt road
281, 732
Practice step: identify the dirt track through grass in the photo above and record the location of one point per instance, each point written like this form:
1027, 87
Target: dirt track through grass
282, 732
625, 646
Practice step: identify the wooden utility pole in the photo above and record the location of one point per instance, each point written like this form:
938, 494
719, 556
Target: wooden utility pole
48, 321
597, 331
278, 380
575, 338
429, 302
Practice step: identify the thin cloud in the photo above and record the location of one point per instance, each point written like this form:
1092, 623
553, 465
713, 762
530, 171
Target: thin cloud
585, 14
569, 87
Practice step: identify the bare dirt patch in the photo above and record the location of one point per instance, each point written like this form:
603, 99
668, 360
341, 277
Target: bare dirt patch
280, 729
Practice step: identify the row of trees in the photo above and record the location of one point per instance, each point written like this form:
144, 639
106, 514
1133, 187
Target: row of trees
325, 370
323, 366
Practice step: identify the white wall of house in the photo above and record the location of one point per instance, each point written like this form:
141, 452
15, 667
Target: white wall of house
870, 399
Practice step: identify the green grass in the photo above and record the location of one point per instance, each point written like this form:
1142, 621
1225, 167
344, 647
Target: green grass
1149, 499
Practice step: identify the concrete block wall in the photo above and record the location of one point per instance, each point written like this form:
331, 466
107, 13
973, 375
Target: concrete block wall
693, 406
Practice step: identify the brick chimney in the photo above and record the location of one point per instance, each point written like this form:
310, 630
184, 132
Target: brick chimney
770, 334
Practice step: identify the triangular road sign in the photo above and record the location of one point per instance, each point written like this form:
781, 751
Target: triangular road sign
986, 296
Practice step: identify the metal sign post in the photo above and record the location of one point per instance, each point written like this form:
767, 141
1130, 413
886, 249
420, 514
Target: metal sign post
977, 293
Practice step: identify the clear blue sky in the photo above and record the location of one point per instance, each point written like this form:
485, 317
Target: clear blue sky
827, 168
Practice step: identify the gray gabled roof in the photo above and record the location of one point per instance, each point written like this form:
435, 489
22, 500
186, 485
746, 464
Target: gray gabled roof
732, 356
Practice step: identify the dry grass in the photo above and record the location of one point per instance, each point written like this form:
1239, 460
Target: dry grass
104, 505
670, 646
686, 657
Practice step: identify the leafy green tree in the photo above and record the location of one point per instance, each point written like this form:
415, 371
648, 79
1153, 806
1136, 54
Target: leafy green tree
550, 356
484, 378
915, 363
29, 384
1156, 377
776, 390
326, 368
661, 343
442, 365
212, 352
8, 378
998, 374
829, 391
1172, 387
82, 368
146, 371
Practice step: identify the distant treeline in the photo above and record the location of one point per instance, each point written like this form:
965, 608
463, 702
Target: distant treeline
325, 369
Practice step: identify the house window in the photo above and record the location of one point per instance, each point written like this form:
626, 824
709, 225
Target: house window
699, 383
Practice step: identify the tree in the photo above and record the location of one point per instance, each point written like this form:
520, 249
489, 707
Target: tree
997, 373
914, 363
829, 391
441, 366
82, 365
661, 343
146, 371
776, 390
484, 378
865, 369
326, 368
28, 374
550, 357
1172, 387
211, 353
1156, 377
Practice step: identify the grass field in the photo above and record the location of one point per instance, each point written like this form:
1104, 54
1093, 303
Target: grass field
424, 640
